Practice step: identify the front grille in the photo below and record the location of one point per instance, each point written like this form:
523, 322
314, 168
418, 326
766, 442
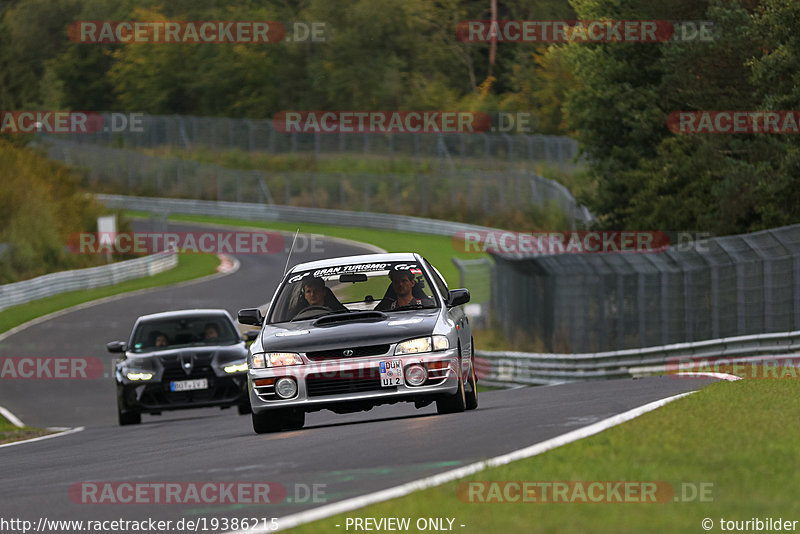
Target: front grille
219, 388
358, 352
318, 385
173, 370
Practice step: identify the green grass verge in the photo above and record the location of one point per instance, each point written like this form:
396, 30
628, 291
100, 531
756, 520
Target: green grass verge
738, 438
9, 432
437, 249
189, 266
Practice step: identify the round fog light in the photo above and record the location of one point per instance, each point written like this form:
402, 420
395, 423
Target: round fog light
416, 375
286, 388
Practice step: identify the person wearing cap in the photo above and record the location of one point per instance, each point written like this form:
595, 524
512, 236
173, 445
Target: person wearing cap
403, 283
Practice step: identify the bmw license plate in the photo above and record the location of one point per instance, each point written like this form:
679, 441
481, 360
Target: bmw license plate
189, 385
391, 373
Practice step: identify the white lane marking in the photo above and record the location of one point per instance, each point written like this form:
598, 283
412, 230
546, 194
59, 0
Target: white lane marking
228, 264
347, 505
49, 436
721, 376
13, 419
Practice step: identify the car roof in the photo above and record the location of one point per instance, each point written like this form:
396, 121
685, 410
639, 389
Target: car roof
363, 258
200, 312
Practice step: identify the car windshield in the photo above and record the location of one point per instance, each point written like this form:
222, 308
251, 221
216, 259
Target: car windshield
387, 286
163, 334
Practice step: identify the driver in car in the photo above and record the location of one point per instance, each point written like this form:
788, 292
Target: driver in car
317, 294
403, 286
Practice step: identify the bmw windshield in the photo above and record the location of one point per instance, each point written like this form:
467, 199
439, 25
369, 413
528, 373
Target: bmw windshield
176, 332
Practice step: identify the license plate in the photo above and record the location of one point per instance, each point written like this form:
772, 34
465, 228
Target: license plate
391, 373
189, 385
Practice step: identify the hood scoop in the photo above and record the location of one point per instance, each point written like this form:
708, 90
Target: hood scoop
351, 317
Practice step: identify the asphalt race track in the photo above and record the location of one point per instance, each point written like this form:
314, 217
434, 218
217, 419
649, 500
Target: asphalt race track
344, 455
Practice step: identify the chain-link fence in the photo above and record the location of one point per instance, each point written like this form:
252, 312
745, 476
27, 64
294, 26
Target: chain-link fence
433, 195
453, 149
720, 287
476, 275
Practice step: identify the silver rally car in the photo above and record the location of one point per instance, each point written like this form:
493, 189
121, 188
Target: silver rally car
346, 334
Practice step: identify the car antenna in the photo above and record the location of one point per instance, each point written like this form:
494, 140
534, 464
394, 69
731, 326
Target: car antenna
286, 269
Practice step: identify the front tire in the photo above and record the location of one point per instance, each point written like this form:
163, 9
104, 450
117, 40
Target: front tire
124, 416
471, 396
244, 408
456, 403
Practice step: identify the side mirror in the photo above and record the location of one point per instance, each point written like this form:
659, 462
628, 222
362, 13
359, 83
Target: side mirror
117, 346
251, 335
250, 316
457, 297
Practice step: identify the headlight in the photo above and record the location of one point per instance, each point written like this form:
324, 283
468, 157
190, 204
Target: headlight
422, 344
240, 367
440, 343
135, 375
276, 359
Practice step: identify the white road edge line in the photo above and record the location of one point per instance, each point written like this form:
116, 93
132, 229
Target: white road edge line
49, 436
13, 419
347, 505
721, 376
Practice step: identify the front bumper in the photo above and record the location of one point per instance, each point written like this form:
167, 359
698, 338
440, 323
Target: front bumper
156, 396
321, 384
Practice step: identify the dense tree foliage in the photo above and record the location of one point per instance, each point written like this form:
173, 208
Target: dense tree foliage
648, 176
41, 204
379, 54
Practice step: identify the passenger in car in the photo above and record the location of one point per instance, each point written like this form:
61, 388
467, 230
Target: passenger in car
403, 292
211, 331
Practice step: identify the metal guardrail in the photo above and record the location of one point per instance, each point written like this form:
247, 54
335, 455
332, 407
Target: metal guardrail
105, 275
262, 212
526, 368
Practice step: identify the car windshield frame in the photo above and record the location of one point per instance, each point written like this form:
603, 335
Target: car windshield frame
288, 299
190, 329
